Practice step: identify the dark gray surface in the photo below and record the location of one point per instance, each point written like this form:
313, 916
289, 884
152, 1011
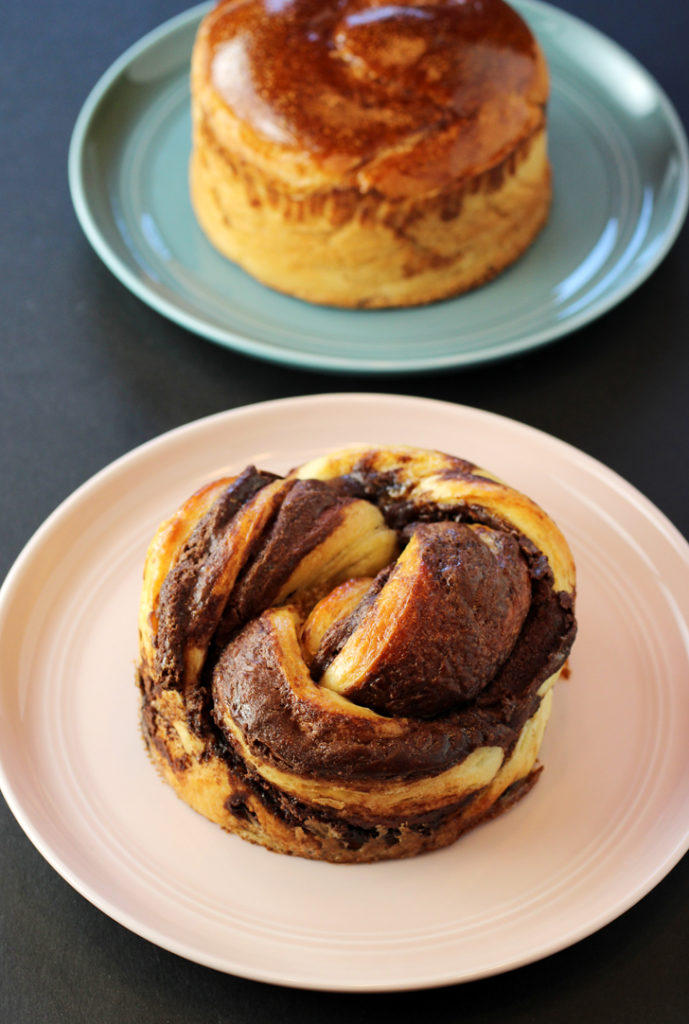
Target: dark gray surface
87, 372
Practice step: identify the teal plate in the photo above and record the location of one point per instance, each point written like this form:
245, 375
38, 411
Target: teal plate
621, 172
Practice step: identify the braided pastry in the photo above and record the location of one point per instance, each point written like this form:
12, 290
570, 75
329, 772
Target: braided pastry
353, 662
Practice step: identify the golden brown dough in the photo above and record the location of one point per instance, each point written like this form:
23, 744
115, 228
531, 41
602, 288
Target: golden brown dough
369, 154
356, 661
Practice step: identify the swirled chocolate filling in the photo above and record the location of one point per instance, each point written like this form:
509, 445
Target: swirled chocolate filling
494, 689
294, 735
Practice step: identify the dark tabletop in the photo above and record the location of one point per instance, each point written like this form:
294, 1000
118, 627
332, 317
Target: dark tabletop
88, 372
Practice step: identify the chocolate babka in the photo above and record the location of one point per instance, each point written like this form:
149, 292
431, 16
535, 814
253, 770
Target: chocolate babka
355, 661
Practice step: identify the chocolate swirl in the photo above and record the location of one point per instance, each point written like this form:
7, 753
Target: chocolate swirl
365, 646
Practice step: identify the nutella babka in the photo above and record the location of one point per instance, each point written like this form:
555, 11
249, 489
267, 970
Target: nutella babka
367, 154
355, 661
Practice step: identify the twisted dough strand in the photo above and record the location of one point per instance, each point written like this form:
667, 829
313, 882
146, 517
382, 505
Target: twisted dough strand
356, 661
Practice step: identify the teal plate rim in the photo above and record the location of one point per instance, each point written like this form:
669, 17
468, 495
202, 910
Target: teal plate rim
626, 240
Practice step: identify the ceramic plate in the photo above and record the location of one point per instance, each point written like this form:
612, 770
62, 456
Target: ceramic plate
620, 169
607, 820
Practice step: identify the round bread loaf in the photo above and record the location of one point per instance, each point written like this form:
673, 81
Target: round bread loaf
366, 154
353, 662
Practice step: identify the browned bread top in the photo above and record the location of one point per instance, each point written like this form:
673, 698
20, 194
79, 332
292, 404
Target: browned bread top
404, 99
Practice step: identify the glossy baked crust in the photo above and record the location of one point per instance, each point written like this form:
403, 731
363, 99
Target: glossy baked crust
366, 154
354, 662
